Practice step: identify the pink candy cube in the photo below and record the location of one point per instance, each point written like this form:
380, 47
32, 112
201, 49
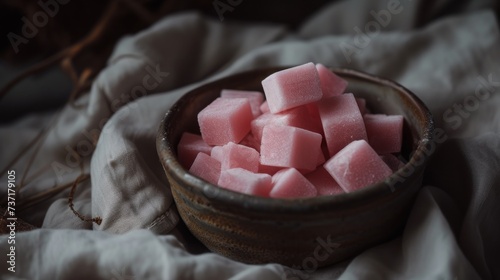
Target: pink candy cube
357, 166
244, 181
216, 153
206, 167
236, 155
225, 120
271, 170
188, 148
275, 147
324, 182
342, 121
362, 105
392, 161
257, 124
255, 97
296, 117
289, 183
331, 84
321, 157
385, 133
285, 146
251, 141
264, 107
292, 87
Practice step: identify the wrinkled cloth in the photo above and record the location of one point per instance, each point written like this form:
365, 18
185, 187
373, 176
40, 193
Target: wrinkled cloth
451, 63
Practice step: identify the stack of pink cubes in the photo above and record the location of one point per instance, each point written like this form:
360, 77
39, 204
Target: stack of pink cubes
307, 138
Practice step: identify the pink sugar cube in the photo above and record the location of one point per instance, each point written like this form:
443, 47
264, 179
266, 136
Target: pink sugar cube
385, 133
288, 146
236, 155
257, 124
188, 148
321, 157
289, 183
251, 141
362, 105
357, 166
254, 97
342, 121
324, 182
292, 87
206, 167
264, 107
392, 161
244, 181
331, 84
216, 153
313, 110
271, 170
225, 120
296, 117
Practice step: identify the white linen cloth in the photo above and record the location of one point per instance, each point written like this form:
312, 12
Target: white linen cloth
450, 63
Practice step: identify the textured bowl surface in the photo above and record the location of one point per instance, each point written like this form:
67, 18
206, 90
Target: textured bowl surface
297, 232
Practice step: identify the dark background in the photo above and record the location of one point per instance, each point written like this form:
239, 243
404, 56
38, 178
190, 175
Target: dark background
52, 85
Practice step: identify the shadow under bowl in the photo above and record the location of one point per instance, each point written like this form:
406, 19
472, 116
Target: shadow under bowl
296, 232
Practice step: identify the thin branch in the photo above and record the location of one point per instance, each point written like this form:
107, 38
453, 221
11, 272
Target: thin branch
140, 11
36, 141
82, 83
70, 52
42, 196
39, 172
65, 58
37, 147
35, 69
23, 151
68, 68
97, 220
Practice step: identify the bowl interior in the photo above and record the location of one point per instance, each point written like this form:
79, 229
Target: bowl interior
382, 96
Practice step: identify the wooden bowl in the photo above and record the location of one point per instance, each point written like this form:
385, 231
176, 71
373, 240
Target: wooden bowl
309, 232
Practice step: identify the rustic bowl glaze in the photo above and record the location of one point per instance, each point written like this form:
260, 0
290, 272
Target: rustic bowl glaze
309, 232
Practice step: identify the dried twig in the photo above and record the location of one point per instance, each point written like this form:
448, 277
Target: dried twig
67, 54
98, 35
140, 11
35, 69
97, 220
82, 83
37, 147
42, 196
